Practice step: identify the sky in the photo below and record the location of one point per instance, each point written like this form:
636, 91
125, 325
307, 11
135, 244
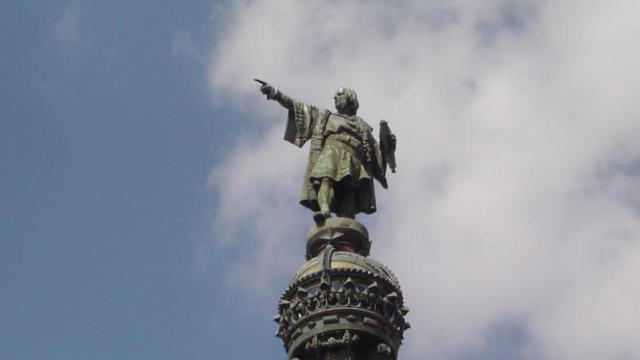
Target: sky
149, 204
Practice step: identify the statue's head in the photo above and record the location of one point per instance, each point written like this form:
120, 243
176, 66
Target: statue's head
346, 101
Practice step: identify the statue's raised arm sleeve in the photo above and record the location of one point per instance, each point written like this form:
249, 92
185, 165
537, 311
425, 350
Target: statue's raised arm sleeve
300, 122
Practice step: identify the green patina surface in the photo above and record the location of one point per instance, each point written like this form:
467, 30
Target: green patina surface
344, 156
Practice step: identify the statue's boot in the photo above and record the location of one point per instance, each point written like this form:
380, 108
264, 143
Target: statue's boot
318, 217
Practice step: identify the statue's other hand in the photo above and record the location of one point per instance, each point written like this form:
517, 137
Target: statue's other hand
268, 90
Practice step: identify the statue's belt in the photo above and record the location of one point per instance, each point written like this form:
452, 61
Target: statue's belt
336, 142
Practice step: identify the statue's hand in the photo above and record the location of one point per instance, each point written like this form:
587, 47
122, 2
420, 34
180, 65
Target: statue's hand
268, 90
274, 94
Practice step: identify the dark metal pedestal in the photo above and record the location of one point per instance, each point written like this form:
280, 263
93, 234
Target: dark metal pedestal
341, 305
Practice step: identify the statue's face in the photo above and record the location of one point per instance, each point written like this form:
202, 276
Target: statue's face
341, 100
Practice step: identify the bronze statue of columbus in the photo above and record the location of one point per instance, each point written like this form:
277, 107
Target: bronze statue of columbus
344, 156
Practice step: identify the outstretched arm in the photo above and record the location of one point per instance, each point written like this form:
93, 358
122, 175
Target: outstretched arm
273, 93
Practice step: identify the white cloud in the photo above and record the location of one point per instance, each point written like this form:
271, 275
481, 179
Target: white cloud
183, 44
516, 198
66, 29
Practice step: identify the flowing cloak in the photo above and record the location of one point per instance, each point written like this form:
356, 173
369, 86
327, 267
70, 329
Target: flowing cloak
341, 148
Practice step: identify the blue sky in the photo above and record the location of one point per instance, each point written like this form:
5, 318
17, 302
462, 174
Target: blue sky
148, 203
107, 140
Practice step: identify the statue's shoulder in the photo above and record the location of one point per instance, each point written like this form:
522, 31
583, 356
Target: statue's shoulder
337, 118
335, 115
364, 123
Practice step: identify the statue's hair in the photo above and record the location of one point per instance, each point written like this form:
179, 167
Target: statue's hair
352, 99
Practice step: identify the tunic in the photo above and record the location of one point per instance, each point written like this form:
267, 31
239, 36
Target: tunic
341, 148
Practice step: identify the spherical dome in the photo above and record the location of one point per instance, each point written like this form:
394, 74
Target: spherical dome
341, 297
346, 262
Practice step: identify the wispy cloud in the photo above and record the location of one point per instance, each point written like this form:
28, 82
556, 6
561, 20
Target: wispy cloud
66, 28
516, 199
184, 45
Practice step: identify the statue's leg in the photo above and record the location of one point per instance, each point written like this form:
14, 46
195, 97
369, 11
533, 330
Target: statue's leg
325, 197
